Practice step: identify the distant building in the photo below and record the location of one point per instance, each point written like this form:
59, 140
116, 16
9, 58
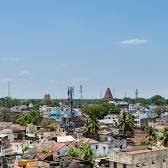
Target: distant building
19, 109
108, 95
47, 97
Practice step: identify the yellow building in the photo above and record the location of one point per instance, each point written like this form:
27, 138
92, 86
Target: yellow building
31, 164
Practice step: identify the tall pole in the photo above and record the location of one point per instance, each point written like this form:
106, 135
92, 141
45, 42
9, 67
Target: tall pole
70, 98
136, 93
81, 94
8, 88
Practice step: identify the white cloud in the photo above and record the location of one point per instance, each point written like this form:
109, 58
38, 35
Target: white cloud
135, 41
24, 73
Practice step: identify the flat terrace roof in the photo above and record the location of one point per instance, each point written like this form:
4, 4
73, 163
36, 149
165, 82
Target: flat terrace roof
142, 149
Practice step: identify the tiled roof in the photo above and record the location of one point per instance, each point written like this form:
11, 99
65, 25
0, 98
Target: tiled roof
13, 127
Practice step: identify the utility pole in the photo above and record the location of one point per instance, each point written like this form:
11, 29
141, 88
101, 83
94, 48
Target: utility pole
136, 93
81, 93
8, 88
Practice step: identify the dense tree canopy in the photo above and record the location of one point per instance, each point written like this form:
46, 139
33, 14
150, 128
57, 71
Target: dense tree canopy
157, 100
99, 110
6, 115
9, 102
31, 117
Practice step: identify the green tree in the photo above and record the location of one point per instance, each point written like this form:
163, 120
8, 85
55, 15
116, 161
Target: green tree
6, 115
91, 128
126, 123
93, 110
36, 116
164, 137
55, 103
158, 100
31, 117
109, 108
25, 148
83, 152
151, 136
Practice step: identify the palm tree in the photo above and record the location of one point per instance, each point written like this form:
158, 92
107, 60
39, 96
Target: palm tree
164, 137
127, 123
91, 128
151, 137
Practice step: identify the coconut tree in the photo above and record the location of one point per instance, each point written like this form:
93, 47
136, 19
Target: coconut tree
151, 136
126, 123
91, 128
164, 137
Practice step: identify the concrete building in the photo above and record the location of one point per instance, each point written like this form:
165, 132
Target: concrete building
138, 116
110, 120
139, 157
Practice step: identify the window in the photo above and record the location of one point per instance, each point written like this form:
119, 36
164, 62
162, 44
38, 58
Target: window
154, 162
115, 165
124, 166
144, 164
96, 146
164, 160
138, 165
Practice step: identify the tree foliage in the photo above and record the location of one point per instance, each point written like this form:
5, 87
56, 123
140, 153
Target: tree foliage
6, 115
91, 128
99, 110
31, 117
151, 136
49, 123
25, 148
156, 100
164, 137
82, 152
9, 102
126, 123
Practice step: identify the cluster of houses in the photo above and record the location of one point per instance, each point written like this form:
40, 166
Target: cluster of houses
21, 147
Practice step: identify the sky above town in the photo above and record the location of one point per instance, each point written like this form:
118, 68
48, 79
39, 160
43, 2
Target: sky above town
46, 46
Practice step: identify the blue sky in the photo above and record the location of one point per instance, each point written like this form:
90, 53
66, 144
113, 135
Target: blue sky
46, 46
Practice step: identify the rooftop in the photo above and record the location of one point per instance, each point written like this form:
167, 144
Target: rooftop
139, 150
68, 138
